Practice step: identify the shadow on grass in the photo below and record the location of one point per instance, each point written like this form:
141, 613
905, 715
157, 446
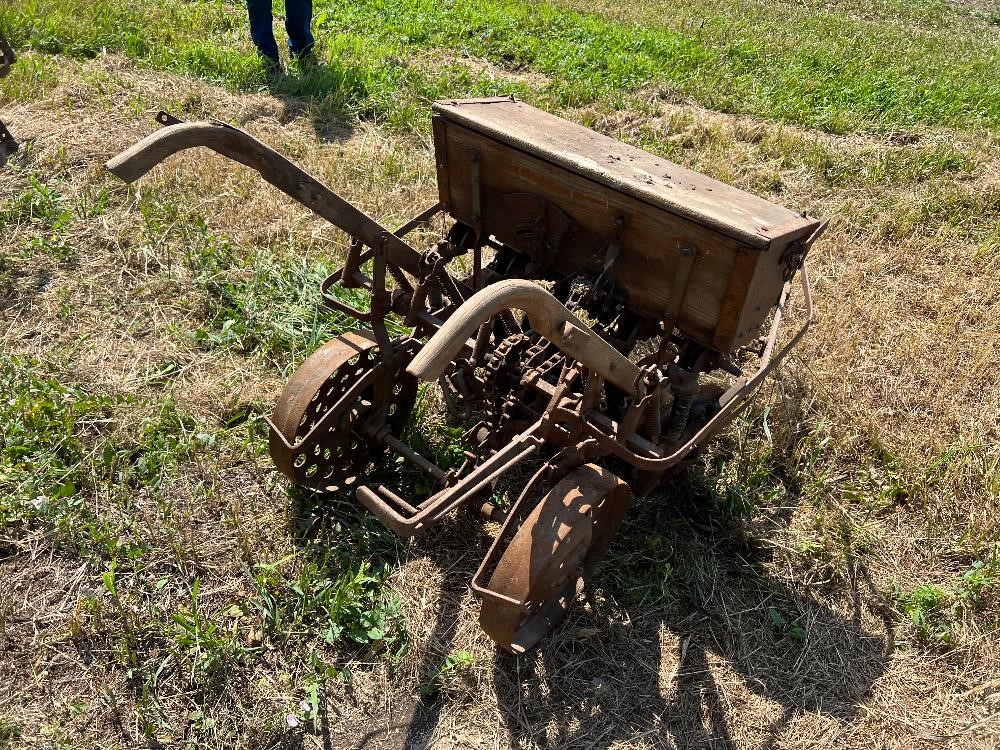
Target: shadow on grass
687, 640
328, 94
708, 635
412, 719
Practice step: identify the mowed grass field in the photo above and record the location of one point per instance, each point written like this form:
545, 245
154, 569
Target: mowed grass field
828, 574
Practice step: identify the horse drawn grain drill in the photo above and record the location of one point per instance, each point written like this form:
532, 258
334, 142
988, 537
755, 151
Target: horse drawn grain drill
581, 309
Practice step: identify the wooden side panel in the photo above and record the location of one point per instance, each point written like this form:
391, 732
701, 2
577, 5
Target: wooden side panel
765, 286
650, 241
440, 127
725, 338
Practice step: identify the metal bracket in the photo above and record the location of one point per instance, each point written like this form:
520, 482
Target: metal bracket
795, 254
168, 120
165, 118
687, 253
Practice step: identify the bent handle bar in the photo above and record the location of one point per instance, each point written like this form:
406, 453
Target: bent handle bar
274, 168
547, 315
738, 395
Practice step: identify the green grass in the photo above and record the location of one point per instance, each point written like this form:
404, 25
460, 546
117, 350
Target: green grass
822, 68
68, 476
337, 598
210, 585
44, 443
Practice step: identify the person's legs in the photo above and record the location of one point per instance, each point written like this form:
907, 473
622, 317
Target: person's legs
298, 19
261, 31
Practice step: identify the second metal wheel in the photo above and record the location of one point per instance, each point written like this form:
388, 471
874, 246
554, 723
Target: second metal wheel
553, 551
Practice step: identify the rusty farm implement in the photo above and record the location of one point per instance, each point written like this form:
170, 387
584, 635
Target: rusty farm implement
590, 306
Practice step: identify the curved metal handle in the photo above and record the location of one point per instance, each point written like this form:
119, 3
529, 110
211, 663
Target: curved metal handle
547, 315
276, 169
733, 400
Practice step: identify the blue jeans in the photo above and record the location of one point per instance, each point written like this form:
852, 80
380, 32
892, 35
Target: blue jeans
298, 18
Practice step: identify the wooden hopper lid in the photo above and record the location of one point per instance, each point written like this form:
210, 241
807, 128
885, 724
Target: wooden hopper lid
686, 193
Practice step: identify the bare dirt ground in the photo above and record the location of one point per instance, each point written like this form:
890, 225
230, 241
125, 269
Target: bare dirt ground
675, 645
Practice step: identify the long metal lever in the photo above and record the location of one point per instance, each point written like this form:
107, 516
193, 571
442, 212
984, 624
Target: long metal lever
276, 169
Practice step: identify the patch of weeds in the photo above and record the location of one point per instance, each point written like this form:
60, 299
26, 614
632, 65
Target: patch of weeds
740, 481
58, 737
167, 439
8, 282
642, 574
950, 207
936, 611
44, 447
309, 709
982, 578
928, 609
50, 245
39, 204
32, 77
784, 626
87, 616
41, 207
202, 645
816, 474
986, 255
331, 596
870, 167
146, 645
127, 644
433, 439
274, 309
162, 374
809, 464
880, 482
454, 671
334, 89
177, 238
835, 543
9, 732
91, 201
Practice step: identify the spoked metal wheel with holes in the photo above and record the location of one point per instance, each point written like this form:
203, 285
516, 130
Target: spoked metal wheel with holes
328, 421
553, 552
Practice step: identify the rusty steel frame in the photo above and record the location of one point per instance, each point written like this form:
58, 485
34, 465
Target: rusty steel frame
557, 380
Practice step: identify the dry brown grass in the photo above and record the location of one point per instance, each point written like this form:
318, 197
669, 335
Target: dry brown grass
674, 647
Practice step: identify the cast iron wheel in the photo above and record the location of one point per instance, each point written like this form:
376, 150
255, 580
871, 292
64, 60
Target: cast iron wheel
552, 553
339, 454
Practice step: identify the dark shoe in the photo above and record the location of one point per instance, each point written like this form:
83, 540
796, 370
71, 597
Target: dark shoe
272, 66
306, 57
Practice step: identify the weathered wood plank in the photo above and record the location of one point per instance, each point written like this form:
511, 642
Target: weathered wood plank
646, 265
627, 169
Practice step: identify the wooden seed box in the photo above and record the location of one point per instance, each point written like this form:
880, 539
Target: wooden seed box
681, 246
